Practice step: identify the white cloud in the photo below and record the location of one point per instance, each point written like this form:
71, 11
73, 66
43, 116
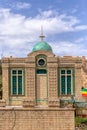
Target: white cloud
21, 5
81, 27
81, 40
67, 48
18, 33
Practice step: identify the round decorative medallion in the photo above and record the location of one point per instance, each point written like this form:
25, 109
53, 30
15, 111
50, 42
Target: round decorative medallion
41, 62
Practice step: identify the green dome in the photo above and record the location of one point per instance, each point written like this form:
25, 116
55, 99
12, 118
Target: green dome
42, 46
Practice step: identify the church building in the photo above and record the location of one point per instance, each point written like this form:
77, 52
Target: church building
36, 84
43, 76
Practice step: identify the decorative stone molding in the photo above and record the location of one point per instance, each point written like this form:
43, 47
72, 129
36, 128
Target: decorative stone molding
66, 103
28, 103
54, 103
52, 60
2, 103
67, 65
78, 66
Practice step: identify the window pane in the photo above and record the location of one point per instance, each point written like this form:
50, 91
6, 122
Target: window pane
62, 71
42, 71
14, 71
19, 71
68, 84
14, 89
19, 84
68, 71
62, 84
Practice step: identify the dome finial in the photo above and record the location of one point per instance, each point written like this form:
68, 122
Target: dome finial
42, 36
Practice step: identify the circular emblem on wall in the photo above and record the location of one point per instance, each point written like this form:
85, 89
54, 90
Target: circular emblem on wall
41, 62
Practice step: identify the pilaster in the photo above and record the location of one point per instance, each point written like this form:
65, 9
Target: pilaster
30, 83
5, 81
52, 83
78, 81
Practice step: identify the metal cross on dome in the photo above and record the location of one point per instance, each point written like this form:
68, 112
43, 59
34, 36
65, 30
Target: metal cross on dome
42, 36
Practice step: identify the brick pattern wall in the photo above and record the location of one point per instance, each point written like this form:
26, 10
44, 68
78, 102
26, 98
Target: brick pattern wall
52, 83
5, 85
53, 64
30, 83
41, 89
37, 119
78, 84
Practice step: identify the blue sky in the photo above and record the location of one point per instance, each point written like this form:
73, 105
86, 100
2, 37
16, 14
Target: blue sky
64, 25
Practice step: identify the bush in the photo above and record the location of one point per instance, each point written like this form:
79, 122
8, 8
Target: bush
80, 120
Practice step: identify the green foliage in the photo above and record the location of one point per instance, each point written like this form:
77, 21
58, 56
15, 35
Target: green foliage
80, 120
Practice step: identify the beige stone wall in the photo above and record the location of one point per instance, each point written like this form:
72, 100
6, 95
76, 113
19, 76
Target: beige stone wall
41, 89
75, 63
78, 83
36, 119
79, 64
5, 83
30, 83
52, 83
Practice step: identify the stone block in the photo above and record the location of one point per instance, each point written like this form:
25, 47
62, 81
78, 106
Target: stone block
28, 103
54, 103
2, 103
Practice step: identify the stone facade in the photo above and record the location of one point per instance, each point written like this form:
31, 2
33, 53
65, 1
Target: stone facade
36, 119
47, 87
34, 86
38, 106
